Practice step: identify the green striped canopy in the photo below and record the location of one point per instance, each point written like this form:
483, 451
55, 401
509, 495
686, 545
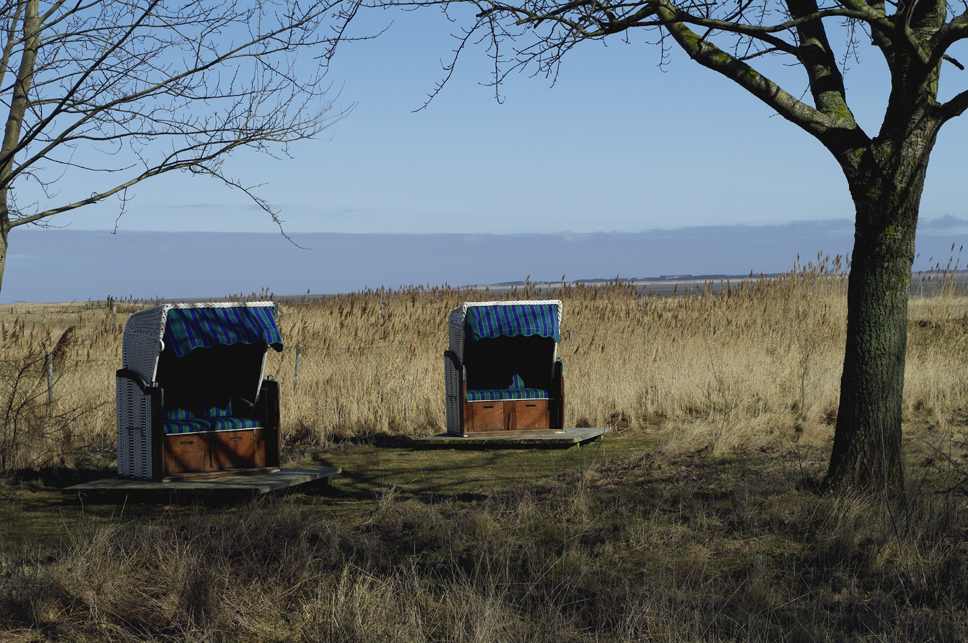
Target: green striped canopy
191, 328
508, 321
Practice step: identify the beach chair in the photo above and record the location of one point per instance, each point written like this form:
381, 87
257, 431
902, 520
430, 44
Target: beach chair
502, 374
191, 394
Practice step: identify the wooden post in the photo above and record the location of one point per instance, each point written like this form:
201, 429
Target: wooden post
295, 380
50, 378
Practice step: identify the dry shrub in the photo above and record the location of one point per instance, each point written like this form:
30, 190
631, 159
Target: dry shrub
37, 427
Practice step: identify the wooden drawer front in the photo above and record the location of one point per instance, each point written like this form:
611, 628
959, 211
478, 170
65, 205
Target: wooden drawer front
238, 449
186, 454
530, 414
485, 416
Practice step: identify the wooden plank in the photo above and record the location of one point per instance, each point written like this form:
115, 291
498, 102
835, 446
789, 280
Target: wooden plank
223, 473
240, 486
516, 439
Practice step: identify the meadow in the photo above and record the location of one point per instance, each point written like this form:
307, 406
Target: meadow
695, 519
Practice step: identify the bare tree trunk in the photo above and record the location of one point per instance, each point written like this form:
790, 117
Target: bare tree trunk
867, 444
4, 232
15, 118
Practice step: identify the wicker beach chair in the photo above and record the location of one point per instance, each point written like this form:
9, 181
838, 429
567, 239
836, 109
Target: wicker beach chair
502, 373
192, 398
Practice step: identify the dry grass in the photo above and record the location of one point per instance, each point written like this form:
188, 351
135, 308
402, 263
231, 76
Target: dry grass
639, 546
737, 367
692, 522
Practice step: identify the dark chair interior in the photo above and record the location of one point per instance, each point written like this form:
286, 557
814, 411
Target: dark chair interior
492, 362
210, 377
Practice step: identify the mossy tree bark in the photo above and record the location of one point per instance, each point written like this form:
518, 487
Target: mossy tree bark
886, 179
867, 443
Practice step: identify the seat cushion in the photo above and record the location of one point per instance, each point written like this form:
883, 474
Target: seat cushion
517, 391
232, 423
483, 395
203, 425
182, 427
219, 411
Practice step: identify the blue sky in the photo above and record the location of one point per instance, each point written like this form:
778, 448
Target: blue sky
618, 144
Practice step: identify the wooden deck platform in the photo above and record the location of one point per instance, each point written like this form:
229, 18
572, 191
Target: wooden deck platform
217, 489
509, 440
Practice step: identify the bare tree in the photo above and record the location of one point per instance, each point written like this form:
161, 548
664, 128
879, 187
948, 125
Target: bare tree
114, 92
885, 169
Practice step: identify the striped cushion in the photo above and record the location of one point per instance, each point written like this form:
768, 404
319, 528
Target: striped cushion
202, 425
184, 414
231, 424
216, 412
181, 427
178, 414
507, 394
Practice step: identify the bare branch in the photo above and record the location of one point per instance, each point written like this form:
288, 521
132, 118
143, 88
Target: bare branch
131, 74
954, 107
11, 41
708, 55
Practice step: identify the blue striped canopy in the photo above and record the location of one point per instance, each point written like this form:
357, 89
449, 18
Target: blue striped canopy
191, 328
508, 321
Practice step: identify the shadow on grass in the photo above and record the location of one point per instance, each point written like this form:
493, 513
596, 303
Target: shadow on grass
60, 477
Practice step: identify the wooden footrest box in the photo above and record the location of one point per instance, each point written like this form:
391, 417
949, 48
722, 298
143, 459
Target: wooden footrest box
214, 451
506, 415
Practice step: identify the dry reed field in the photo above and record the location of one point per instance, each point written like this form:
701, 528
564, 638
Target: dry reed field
694, 520
757, 363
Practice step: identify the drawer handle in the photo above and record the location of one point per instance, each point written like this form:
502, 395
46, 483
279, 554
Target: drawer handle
186, 442
233, 439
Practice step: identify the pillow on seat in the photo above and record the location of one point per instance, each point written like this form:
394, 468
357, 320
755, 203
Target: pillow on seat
184, 427
183, 421
517, 391
178, 415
